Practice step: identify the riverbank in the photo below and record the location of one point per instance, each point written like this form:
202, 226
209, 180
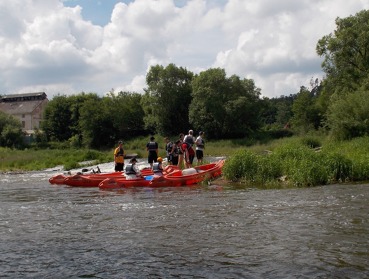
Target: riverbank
283, 163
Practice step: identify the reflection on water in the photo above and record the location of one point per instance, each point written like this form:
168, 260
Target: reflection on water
49, 231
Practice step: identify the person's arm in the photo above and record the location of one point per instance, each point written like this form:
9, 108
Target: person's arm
197, 142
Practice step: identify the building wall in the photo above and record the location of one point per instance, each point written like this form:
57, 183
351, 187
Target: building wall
30, 113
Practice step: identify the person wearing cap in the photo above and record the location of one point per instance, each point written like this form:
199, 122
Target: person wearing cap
119, 157
200, 146
131, 171
152, 149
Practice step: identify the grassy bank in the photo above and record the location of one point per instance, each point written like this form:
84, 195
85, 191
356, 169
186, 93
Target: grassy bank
300, 162
288, 162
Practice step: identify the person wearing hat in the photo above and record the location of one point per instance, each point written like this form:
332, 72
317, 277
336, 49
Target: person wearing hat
200, 146
152, 149
131, 171
119, 157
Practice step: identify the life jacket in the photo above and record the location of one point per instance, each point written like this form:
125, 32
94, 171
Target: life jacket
129, 169
119, 155
156, 167
175, 151
189, 139
169, 147
152, 146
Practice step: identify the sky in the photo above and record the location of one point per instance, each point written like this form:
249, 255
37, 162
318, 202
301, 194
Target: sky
70, 46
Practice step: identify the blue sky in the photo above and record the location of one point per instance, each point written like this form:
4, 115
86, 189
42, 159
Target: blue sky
97, 11
72, 46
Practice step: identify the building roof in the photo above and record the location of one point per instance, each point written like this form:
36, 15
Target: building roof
21, 103
23, 97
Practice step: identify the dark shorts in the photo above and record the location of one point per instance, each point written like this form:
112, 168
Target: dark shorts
174, 160
119, 167
192, 156
152, 157
199, 154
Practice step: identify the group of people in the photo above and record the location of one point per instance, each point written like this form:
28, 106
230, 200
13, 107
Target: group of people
180, 153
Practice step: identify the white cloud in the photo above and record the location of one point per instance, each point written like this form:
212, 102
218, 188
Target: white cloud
45, 46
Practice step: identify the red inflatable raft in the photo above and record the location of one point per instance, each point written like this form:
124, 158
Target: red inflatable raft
172, 177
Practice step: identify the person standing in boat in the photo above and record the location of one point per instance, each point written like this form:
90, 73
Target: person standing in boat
200, 146
119, 157
131, 171
152, 149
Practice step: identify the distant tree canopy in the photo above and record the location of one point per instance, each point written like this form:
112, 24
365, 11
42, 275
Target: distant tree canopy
166, 99
224, 107
93, 121
11, 134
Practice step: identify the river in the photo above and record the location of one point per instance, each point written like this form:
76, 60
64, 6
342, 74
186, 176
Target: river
51, 231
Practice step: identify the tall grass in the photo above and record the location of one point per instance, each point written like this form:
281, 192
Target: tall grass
301, 162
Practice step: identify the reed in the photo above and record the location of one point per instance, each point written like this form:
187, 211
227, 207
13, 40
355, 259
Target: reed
301, 162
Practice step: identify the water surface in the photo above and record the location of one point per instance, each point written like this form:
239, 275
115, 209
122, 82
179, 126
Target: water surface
50, 231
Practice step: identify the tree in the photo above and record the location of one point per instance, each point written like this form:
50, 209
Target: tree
127, 115
11, 134
346, 54
348, 116
96, 123
62, 116
166, 99
306, 115
224, 107
104, 121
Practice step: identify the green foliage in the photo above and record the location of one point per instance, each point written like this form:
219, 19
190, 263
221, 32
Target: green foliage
166, 100
294, 163
87, 120
242, 165
348, 115
71, 164
277, 112
339, 167
345, 52
312, 142
306, 116
224, 107
11, 134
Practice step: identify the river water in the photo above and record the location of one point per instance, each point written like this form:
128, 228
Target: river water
51, 231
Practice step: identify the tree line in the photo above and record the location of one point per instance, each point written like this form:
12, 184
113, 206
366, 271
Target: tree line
176, 99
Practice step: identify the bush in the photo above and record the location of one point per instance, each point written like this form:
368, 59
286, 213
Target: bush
242, 165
